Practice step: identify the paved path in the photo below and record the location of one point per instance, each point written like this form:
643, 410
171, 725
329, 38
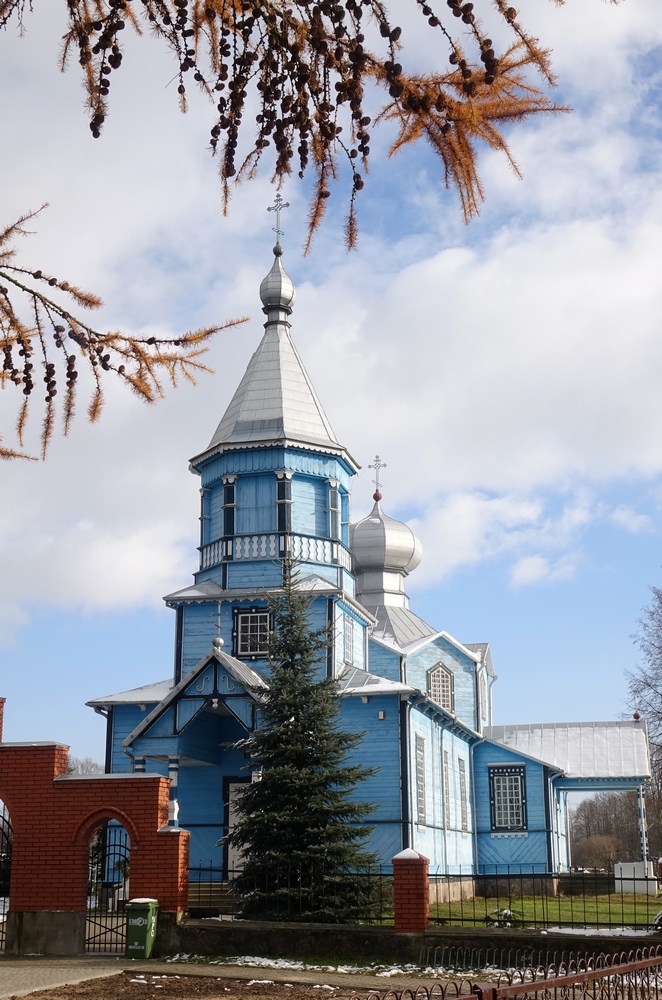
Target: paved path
19, 976
23, 975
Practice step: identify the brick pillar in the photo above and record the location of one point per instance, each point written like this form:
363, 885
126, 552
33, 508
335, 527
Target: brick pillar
2, 715
411, 892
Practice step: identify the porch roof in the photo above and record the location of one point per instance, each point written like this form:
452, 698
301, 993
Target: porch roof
581, 749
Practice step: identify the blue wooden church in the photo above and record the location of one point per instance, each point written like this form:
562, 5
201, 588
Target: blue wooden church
276, 483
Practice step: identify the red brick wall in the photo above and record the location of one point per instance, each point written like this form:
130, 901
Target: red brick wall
55, 816
411, 892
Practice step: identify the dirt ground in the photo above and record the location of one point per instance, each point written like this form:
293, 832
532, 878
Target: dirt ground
148, 986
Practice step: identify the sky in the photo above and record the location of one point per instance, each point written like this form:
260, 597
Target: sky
508, 372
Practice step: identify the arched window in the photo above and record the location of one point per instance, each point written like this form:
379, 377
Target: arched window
440, 687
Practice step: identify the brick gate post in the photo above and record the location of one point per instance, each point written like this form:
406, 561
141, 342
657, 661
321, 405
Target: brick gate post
411, 892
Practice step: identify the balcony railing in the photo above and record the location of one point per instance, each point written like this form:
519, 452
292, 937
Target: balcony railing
272, 545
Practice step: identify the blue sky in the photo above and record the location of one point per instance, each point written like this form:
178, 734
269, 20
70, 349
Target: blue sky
508, 372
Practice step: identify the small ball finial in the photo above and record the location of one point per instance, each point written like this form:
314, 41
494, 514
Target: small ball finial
376, 496
278, 250
217, 642
636, 716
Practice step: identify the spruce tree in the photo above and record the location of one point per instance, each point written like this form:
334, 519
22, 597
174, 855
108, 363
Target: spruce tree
301, 832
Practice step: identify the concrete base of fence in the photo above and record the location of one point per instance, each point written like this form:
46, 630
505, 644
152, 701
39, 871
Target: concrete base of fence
373, 944
45, 932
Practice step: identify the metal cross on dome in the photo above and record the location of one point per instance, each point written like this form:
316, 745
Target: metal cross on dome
277, 207
377, 465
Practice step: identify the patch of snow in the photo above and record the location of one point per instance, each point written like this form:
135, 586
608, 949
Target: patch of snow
601, 931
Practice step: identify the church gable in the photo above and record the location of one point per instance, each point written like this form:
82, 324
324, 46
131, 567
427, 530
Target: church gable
447, 675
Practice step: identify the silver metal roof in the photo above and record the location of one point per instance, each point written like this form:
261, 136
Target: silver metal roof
275, 400
146, 694
380, 542
354, 681
482, 649
581, 749
400, 626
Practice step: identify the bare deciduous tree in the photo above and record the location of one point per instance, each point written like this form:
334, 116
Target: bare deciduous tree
645, 681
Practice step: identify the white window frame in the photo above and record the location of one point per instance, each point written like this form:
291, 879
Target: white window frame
447, 791
464, 802
421, 811
348, 640
442, 692
508, 798
245, 632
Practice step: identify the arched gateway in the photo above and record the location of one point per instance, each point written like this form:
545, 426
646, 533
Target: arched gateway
55, 816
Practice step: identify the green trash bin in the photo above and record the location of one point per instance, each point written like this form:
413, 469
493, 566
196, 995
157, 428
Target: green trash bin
141, 919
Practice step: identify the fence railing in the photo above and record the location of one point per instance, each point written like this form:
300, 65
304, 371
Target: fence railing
636, 975
523, 899
311, 893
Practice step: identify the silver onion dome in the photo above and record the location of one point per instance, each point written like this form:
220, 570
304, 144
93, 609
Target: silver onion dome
381, 543
277, 289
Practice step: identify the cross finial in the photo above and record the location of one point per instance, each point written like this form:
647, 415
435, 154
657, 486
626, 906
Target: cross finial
377, 465
277, 207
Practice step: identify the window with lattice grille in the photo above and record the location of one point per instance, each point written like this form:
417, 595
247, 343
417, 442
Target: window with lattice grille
253, 630
508, 798
447, 791
348, 639
440, 687
420, 780
464, 807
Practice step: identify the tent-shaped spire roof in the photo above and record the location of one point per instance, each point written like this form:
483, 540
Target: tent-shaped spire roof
275, 401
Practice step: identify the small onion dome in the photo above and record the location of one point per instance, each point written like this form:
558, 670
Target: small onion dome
379, 542
277, 290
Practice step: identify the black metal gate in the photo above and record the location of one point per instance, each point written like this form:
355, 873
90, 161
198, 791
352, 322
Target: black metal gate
107, 890
5, 869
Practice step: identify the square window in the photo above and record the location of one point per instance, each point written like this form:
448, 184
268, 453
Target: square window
253, 629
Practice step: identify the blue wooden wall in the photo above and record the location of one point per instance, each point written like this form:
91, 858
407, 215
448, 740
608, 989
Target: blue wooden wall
446, 845
461, 666
380, 749
256, 503
383, 661
525, 850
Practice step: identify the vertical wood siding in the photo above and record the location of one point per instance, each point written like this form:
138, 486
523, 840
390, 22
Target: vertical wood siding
497, 851
309, 508
462, 668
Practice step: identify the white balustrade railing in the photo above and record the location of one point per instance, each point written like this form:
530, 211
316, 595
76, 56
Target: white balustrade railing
270, 545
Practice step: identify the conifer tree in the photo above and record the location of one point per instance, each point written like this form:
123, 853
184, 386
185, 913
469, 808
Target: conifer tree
301, 832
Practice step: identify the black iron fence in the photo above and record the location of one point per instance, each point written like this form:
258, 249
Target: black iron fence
312, 893
6, 840
523, 899
636, 975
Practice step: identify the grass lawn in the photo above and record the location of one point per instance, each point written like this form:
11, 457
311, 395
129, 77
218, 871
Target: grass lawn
614, 910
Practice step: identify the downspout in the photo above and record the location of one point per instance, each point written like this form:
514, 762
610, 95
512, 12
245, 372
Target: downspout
108, 716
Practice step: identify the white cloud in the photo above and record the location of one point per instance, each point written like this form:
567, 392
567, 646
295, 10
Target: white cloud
627, 518
506, 373
539, 569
